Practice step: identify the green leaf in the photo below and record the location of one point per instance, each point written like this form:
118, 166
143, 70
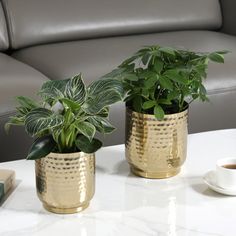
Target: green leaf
41, 119
26, 102
201, 70
164, 101
203, 93
159, 112
103, 93
101, 124
41, 148
14, 120
147, 74
69, 117
129, 60
216, 57
131, 77
85, 128
100, 86
166, 83
87, 146
137, 103
142, 51
167, 50
158, 65
175, 76
173, 95
74, 106
116, 73
75, 89
150, 82
203, 89
148, 104
145, 92
95, 104
195, 96
53, 90
23, 111
104, 112
222, 52
145, 58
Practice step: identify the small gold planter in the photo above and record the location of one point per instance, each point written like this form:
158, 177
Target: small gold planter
65, 182
156, 149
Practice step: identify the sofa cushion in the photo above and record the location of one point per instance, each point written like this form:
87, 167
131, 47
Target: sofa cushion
59, 20
228, 15
4, 44
16, 78
219, 113
97, 57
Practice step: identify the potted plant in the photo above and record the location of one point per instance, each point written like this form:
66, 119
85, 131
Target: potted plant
161, 82
64, 125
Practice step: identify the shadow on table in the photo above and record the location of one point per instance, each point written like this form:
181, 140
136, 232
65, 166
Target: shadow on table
204, 190
120, 169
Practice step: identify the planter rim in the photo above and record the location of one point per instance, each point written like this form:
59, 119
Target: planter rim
73, 154
153, 116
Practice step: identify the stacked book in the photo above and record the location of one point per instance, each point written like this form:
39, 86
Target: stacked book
7, 180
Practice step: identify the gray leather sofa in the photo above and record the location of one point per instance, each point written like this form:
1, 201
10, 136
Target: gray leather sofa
55, 39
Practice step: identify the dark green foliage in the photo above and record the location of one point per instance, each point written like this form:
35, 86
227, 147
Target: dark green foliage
83, 143
41, 147
163, 80
69, 115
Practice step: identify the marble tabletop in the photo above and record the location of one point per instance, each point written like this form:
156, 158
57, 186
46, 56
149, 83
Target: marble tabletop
131, 206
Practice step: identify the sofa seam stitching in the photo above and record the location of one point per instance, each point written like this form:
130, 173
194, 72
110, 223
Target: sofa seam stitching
6, 25
218, 91
8, 22
6, 114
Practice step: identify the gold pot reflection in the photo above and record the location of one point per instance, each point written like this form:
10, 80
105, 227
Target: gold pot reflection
156, 149
65, 182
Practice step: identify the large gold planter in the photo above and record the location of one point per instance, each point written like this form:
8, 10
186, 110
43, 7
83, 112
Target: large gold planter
156, 149
65, 182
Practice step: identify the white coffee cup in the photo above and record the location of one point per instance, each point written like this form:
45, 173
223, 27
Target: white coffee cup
225, 173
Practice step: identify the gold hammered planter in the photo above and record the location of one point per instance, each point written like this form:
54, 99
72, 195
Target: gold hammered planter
153, 148
65, 182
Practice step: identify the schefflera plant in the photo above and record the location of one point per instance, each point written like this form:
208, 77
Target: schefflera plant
67, 118
164, 80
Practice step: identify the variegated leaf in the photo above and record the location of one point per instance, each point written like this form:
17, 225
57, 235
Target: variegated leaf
26, 102
101, 124
18, 120
104, 112
41, 119
75, 89
107, 84
85, 128
95, 104
53, 90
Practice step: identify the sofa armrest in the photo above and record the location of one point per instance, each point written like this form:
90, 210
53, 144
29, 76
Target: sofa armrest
228, 14
16, 79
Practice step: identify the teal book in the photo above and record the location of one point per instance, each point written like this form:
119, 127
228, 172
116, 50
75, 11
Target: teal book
7, 181
1, 191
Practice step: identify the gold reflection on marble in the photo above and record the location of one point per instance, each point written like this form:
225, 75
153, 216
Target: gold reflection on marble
65, 182
156, 149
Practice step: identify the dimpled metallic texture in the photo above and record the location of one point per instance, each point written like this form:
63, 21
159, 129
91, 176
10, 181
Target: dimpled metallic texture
65, 182
156, 149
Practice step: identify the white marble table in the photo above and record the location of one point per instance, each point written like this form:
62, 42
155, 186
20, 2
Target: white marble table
126, 205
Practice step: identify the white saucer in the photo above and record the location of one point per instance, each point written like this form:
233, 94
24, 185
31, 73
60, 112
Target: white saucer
209, 179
